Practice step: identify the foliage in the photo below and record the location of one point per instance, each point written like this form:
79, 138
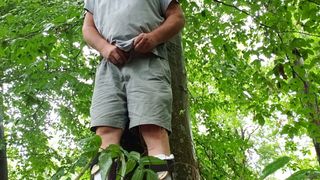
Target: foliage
126, 162
253, 80
274, 166
305, 174
254, 62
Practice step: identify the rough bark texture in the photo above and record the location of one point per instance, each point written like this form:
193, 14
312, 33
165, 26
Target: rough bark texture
314, 108
317, 148
181, 137
3, 152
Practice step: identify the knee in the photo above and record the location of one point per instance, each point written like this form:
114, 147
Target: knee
109, 135
153, 131
104, 130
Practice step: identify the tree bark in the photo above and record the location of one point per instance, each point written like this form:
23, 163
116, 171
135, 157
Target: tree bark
3, 152
181, 138
317, 148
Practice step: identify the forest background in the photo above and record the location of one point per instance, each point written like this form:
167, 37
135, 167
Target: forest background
253, 85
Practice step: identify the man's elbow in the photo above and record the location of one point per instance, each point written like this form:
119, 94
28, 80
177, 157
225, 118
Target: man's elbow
180, 20
85, 32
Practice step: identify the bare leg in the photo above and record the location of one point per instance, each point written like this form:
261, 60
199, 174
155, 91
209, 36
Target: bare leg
156, 139
109, 135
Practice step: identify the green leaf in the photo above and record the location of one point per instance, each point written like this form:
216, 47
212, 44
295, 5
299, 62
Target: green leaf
138, 174
122, 170
305, 174
130, 165
151, 175
61, 172
134, 155
105, 162
114, 150
150, 160
274, 166
260, 119
91, 145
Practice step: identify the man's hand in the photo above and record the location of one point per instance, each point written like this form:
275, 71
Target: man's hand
144, 43
114, 54
97, 41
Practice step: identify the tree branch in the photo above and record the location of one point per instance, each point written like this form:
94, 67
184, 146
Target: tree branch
57, 28
233, 6
256, 20
316, 3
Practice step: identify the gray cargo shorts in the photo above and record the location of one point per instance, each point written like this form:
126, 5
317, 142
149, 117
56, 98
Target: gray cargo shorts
138, 92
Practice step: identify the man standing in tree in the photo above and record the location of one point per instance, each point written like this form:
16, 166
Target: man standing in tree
133, 80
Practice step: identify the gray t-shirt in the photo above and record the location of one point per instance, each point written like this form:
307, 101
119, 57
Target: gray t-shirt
120, 21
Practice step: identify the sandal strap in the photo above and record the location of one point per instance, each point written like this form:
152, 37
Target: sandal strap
163, 167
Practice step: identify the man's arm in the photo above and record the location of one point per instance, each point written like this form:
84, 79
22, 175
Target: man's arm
172, 25
95, 40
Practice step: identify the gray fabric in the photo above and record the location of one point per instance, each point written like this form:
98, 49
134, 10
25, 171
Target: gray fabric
139, 91
120, 21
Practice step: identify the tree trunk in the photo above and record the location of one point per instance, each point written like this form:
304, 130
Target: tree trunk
313, 106
185, 167
3, 152
181, 138
317, 148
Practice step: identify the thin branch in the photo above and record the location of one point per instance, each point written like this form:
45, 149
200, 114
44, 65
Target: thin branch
304, 82
247, 13
249, 136
57, 28
316, 3
300, 32
235, 7
263, 24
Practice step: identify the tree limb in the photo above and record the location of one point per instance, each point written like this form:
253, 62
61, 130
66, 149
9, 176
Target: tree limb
316, 3
256, 20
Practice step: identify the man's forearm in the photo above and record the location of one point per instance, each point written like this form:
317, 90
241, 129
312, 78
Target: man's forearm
170, 27
94, 39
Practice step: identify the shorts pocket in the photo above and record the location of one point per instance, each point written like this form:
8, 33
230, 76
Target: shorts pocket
165, 69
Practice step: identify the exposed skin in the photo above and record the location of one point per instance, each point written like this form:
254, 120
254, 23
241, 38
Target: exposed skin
144, 42
174, 22
155, 137
95, 40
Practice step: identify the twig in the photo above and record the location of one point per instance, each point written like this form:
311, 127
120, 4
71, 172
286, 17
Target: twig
311, 1
265, 25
